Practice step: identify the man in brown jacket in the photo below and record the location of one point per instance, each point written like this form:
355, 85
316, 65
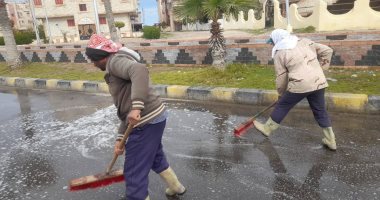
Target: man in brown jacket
299, 65
138, 105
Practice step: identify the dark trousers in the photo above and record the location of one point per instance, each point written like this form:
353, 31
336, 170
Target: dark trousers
143, 152
316, 101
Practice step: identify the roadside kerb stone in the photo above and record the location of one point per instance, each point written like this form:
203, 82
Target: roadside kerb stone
90, 86
77, 85
199, 93
103, 87
19, 82
64, 85
11, 81
40, 83
373, 103
260, 97
177, 91
160, 90
52, 84
268, 96
30, 82
248, 96
334, 101
3, 81
223, 94
343, 101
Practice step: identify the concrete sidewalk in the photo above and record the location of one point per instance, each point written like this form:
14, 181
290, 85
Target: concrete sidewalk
361, 103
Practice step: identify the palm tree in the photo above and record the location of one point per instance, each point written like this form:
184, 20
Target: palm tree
13, 56
110, 21
194, 10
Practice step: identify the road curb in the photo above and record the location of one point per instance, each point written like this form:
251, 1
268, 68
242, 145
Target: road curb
361, 103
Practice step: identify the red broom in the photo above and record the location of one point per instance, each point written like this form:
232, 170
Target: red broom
102, 179
243, 127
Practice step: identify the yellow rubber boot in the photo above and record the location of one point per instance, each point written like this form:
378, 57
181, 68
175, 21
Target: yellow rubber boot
329, 139
174, 186
267, 128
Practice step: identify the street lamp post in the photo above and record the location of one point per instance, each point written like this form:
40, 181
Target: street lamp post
289, 26
96, 17
31, 4
132, 23
47, 22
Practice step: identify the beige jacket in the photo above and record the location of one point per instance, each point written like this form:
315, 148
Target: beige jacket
300, 70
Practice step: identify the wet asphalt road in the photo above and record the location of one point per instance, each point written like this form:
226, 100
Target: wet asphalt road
48, 138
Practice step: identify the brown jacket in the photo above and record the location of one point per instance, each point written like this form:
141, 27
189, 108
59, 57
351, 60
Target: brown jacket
299, 70
129, 85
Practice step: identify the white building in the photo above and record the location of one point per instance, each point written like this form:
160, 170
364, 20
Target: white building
74, 20
19, 14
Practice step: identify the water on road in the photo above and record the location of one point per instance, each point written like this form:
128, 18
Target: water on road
48, 138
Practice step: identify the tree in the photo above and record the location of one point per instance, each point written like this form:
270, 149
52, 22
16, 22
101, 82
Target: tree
213, 10
119, 25
13, 56
110, 21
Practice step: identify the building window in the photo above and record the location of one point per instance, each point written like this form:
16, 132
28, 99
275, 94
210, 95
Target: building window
37, 2
58, 2
102, 20
82, 7
70, 22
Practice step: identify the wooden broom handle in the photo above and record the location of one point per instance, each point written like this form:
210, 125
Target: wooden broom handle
121, 145
265, 109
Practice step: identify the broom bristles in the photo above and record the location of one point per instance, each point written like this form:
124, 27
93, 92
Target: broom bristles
240, 130
95, 181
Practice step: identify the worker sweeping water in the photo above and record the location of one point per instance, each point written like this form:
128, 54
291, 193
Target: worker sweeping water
299, 65
138, 106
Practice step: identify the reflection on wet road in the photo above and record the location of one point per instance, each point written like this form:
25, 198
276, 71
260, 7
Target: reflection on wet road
48, 138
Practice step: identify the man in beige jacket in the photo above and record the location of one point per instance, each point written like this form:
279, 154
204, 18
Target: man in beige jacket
299, 65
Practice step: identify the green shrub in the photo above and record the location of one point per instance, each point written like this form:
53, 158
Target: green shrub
21, 37
41, 33
151, 32
24, 37
119, 24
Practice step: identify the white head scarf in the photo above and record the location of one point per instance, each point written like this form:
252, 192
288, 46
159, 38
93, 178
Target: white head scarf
282, 40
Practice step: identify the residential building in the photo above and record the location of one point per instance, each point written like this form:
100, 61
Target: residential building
19, 14
166, 16
74, 20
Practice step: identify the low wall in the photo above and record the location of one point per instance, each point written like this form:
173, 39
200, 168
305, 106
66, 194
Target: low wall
335, 101
361, 17
240, 23
349, 50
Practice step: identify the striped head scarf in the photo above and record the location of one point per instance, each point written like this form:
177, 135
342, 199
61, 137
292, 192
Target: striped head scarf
100, 47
